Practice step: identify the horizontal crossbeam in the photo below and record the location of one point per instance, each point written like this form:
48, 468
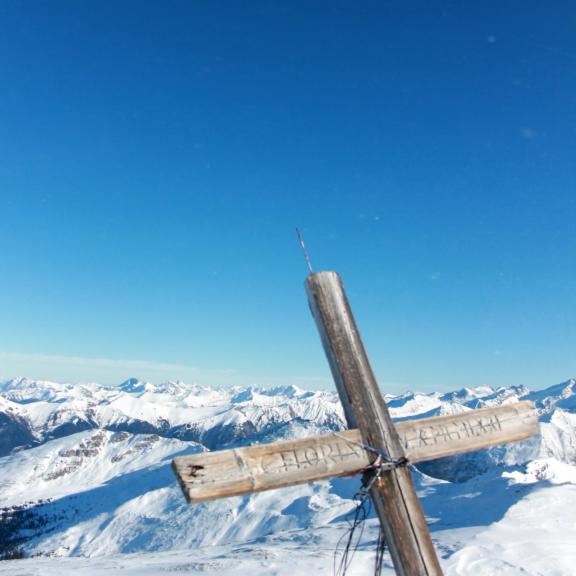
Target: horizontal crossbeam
211, 475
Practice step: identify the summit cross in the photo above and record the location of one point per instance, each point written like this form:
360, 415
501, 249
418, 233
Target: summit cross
373, 444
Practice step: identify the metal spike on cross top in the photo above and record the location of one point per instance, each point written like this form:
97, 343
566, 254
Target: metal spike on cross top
373, 445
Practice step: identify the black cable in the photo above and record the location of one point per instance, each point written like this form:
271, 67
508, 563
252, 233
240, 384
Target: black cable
361, 512
380, 551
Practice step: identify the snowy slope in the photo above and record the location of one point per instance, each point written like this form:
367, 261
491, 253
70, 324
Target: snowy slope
505, 522
536, 536
108, 489
100, 492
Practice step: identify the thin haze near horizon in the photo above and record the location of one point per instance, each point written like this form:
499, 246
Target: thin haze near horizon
157, 157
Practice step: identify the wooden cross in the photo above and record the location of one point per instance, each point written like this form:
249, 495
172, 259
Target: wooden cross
372, 438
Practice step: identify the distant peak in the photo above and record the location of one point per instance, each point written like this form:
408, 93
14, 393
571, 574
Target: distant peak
289, 391
133, 385
466, 394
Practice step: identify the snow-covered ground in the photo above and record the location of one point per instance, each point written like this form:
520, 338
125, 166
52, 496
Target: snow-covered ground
88, 480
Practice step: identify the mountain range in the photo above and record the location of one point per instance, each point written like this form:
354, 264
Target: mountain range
85, 472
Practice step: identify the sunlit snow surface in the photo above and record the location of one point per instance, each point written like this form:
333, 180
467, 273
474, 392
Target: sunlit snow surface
535, 536
111, 504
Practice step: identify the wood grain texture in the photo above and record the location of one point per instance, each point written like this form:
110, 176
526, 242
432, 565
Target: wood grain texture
432, 438
242, 470
394, 495
211, 475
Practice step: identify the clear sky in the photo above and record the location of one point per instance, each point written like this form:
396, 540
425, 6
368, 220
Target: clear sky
155, 158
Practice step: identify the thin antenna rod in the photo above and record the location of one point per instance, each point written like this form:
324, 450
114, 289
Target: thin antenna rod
301, 240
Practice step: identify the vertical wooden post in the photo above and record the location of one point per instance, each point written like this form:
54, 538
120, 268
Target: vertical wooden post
394, 496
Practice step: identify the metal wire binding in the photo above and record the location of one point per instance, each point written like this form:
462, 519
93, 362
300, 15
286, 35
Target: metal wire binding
383, 460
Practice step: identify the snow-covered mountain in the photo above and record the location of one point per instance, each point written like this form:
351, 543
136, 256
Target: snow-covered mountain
215, 418
86, 469
14, 429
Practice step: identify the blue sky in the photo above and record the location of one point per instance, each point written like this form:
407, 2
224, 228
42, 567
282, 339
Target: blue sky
155, 159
